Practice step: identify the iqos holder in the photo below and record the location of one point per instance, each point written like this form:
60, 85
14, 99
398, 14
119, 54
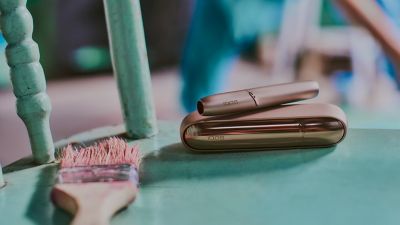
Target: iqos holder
283, 126
255, 98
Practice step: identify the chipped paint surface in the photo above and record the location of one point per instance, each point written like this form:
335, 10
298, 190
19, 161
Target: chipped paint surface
355, 183
130, 64
27, 77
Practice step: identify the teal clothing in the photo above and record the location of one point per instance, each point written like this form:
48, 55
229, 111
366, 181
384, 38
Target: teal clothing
4, 69
220, 30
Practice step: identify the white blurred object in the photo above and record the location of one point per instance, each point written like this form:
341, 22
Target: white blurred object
302, 37
300, 21
370, 88
364, 54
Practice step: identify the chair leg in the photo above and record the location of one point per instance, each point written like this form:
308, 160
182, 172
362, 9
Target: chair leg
27, 77
1, 178
131, 69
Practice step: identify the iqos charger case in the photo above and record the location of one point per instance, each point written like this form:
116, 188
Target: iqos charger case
282, 126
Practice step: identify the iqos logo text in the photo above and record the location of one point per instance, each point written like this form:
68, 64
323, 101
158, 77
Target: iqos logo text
234, 102
216, 138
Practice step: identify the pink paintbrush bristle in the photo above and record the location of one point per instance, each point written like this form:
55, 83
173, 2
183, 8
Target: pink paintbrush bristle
112, 151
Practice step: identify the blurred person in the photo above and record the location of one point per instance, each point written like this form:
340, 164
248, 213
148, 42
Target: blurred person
220, 31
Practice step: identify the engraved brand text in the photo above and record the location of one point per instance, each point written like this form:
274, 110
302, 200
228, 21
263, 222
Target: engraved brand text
234, 102
216, 138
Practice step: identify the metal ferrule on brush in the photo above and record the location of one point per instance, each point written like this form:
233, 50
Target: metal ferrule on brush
255, 98
99, 173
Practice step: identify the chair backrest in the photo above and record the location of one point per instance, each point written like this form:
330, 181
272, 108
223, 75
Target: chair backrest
300, 21
128, 50
371, 16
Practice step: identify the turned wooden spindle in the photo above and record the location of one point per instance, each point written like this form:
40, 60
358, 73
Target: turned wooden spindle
27, 77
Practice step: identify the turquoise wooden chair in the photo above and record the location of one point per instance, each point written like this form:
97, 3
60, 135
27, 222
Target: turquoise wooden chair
356, 182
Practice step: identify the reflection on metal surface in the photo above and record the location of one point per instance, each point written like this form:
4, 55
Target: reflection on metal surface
255, 134
281, 127
261, 97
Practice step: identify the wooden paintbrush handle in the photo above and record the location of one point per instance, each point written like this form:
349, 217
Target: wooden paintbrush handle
91, 213
94, 203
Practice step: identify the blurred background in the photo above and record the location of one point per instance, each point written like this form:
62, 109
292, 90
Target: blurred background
197, 48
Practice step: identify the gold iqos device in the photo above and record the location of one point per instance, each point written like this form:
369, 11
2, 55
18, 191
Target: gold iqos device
255, 98
279, 126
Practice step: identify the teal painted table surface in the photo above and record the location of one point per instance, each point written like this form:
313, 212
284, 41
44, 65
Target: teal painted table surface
356, 182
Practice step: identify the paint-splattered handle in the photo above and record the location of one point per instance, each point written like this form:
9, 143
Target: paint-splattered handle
27, 77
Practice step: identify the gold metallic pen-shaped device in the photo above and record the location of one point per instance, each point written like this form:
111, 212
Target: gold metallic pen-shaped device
254, 98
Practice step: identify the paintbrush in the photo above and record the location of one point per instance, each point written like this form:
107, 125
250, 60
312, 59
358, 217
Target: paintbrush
95, 182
